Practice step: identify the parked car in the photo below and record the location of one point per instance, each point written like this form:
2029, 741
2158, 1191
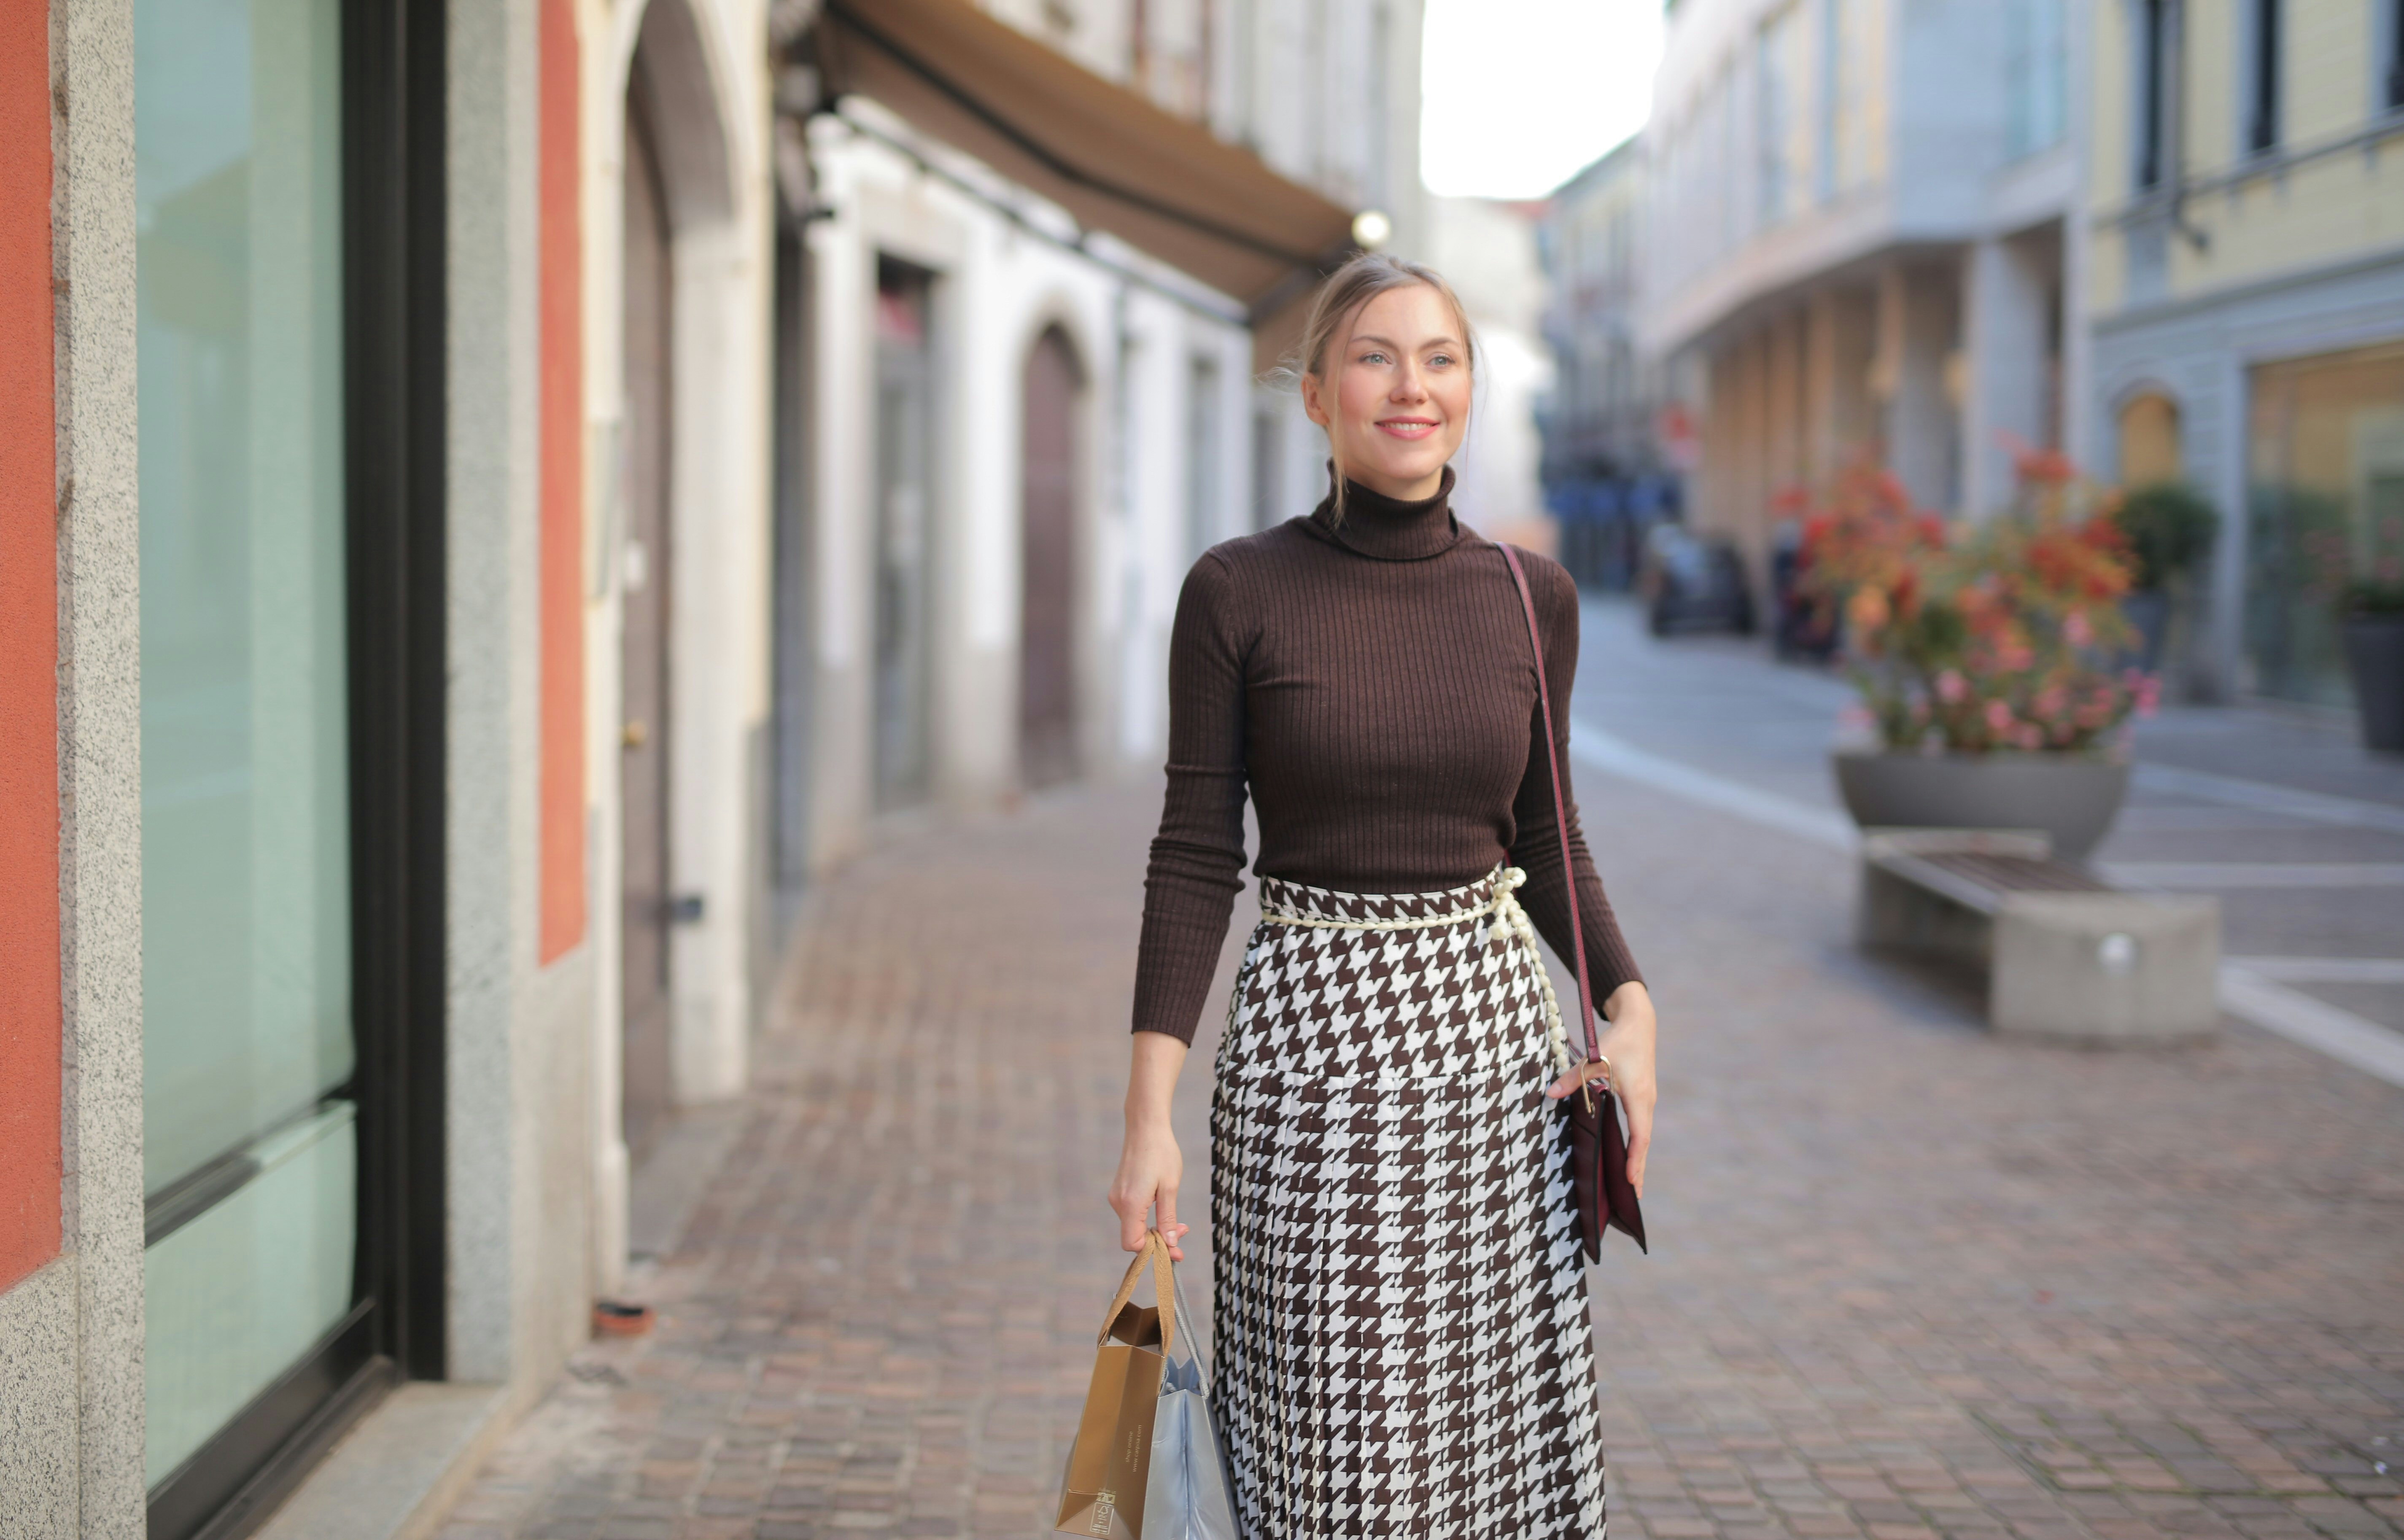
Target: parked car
1694, 583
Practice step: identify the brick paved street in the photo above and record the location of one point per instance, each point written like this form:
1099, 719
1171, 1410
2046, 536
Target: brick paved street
1907, 1280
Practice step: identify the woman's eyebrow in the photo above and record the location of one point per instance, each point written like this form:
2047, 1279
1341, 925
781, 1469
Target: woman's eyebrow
1389, 341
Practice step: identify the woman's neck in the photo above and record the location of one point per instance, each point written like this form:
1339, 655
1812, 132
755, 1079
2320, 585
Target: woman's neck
1389, 529
1415, 491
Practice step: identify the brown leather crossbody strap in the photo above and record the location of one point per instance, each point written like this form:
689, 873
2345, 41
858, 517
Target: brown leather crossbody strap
1560, 802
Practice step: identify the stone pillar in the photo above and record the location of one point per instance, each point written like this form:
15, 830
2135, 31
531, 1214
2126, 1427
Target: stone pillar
1916, 329
2006, 287
1824, 447
1855, 413
71, 1330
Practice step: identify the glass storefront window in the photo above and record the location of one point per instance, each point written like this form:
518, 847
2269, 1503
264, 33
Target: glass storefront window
249, 1147
2327, 506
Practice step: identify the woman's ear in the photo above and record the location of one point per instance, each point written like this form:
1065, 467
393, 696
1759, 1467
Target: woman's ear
1312, 406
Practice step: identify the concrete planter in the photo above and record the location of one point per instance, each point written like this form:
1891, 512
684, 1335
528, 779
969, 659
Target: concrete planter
2374, 654
2072, 797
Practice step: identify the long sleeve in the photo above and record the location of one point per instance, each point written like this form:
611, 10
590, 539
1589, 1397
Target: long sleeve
1198, 858
1537, 847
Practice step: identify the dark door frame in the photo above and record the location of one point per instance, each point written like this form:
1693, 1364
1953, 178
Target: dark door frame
647, 640
394, 241
793, 688
1051, 745
903, 745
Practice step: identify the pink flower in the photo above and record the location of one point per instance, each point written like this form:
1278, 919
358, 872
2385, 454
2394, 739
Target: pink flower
1855, 715
1951, 688
2076, 629
2029, 735
1999, 716
2051, 700
2149, 696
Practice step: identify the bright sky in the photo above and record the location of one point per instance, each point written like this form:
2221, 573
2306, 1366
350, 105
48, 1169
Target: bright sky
1518, 94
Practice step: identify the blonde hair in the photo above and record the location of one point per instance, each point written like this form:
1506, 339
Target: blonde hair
1338, 301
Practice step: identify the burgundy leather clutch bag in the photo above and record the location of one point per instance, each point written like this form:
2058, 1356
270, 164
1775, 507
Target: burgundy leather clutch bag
1598, 1146
1598, 1154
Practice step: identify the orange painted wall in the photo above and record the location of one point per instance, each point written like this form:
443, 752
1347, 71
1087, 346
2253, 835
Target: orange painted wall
562, 257
29, 657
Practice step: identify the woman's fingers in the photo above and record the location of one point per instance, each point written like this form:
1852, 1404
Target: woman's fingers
1130, 1208
1630, 1044
1132, 1231
1568, 1081
1640, 1142
1170, 1230
1640, 1114
1135, 1209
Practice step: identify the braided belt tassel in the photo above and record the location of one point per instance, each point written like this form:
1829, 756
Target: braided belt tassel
1510, 919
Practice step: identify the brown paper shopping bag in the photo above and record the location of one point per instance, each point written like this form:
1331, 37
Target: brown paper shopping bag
1103, 1492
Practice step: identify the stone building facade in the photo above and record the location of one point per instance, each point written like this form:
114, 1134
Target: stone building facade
1859, 245
501, 499
2247, 198
1609, 468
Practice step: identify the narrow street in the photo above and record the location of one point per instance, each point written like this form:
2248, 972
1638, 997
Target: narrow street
1908, 1280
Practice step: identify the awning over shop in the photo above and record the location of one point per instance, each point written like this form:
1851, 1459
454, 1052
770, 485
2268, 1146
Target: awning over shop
1106, 154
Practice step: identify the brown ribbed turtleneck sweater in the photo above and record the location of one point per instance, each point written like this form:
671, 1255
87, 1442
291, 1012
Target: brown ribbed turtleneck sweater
1370, 682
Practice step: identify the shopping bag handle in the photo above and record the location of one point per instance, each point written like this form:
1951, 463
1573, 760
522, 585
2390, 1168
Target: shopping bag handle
1164, 1287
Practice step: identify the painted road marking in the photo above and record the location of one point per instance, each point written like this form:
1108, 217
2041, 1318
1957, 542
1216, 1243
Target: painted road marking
2209, 874
2314, 806
2322, 970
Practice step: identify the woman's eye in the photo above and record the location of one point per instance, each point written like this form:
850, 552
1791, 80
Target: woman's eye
1373, 358
1441, 360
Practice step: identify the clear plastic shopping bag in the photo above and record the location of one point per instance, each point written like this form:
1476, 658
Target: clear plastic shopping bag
1146, 1464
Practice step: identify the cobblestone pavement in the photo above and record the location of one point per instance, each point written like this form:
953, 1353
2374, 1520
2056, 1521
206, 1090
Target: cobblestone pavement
1908, 1280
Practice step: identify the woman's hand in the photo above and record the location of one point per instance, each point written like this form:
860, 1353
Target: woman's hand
1627, 1043
1149, 1163
1149, 1168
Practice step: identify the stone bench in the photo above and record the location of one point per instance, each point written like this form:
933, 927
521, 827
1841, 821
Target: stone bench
2065, 954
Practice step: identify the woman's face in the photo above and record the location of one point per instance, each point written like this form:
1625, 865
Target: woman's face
1395, 397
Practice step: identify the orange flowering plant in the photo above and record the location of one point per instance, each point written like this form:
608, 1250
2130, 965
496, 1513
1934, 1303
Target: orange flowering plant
1999, 635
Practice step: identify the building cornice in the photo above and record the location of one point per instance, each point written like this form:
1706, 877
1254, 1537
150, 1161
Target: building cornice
2134, 317
2273, 164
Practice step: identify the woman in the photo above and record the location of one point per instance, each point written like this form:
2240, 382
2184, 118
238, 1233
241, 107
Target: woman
1402, 1335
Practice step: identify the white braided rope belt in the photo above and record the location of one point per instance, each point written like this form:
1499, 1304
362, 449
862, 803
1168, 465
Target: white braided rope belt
1510, 921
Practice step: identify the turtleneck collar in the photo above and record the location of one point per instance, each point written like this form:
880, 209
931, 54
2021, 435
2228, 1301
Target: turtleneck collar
1385, 529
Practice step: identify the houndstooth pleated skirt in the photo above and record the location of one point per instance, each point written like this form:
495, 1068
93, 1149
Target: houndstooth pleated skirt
1401, 1334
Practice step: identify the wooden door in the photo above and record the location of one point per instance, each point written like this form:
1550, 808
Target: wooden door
1047, 641
649, 1086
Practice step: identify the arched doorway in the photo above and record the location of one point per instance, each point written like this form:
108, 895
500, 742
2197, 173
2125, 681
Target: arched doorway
649, 319
1047, 643
2150, 440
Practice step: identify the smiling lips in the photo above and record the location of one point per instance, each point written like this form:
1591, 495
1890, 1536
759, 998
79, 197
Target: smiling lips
1407, 428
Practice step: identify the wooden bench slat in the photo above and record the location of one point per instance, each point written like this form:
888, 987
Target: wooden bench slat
2018, 874
1923, 872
